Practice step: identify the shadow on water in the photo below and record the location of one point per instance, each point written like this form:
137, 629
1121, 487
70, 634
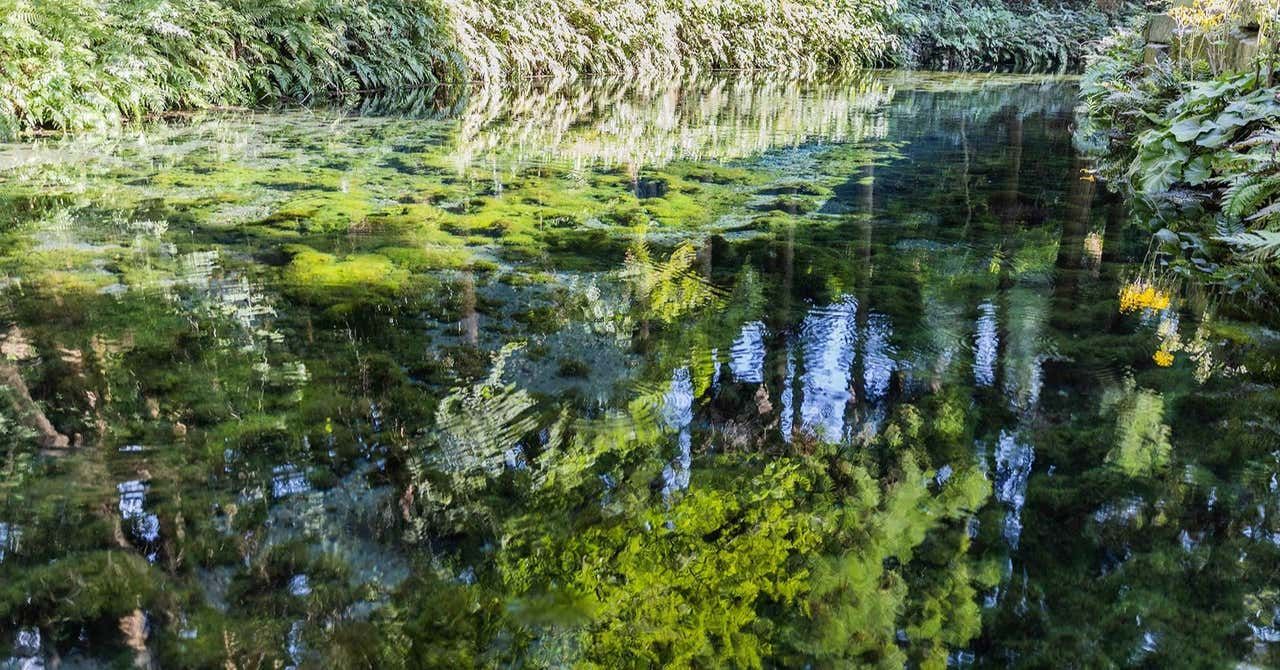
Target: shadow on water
743, 371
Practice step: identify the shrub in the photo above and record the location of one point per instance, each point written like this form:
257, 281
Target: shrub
971, 34
80, 64
509, 38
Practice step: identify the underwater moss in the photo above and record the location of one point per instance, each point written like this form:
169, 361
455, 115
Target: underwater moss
791, 205
426, 258
324, 277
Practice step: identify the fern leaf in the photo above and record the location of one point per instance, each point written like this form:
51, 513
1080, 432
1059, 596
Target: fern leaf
1259, 246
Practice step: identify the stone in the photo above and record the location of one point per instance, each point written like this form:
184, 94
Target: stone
1155, 53
1242, 51
1160, 29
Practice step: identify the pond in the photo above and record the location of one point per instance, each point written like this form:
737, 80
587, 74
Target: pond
741, 371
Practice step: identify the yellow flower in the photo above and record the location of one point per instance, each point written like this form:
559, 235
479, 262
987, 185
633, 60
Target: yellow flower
1162, 358
1141, 295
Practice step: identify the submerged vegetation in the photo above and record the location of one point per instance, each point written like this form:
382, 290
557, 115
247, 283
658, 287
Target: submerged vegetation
812, 367
811, 372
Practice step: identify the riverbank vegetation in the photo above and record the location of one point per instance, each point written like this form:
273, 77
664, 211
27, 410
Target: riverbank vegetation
986, 34
91, 63
1195, 140
84, 64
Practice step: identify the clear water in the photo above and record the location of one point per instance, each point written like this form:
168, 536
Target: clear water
718, 372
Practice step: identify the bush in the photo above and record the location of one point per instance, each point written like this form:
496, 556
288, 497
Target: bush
518, 38
972, 34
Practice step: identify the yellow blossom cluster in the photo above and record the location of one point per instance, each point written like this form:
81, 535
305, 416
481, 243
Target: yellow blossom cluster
1138, 295
1162, 358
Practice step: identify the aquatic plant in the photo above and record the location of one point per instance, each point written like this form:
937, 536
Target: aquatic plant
345, 400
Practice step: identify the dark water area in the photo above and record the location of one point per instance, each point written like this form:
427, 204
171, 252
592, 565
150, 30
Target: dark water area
717, 372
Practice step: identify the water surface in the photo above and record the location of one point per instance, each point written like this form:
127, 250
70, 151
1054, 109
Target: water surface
726, 371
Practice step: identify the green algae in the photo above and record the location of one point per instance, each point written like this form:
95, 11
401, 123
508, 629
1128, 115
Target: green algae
324, 212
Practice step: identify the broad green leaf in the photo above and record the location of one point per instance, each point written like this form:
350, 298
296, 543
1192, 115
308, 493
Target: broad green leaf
1197, 171
1187, 129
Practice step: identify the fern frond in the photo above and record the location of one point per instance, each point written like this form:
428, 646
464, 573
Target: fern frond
1249, 192
1258, 246
1228, 228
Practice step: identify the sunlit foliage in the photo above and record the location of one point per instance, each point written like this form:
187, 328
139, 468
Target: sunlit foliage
94, 63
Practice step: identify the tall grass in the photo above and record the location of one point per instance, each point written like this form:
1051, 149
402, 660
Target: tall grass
518, 38
76, 64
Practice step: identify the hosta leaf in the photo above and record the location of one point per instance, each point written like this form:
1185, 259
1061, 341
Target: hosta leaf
1161, 166
1216, 137
1197, 171
1188, 129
